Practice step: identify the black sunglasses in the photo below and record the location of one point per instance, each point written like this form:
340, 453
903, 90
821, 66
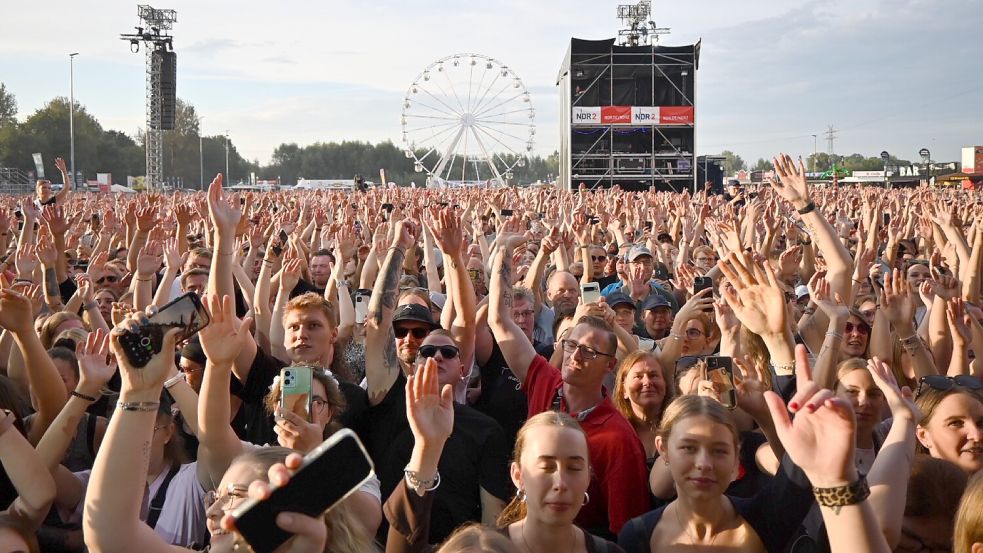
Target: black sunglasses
447, 352
419, 333
598, 257
108, 278
943, 383
862, 328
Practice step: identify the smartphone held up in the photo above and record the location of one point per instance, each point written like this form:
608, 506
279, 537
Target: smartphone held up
185, 313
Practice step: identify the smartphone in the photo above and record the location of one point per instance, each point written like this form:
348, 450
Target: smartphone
242, 201
886, 218
318, 485
388, 207
700, 284
186, 313
361, 306
648, 225
661, 272
752, 195
295, 389
720, 371
507, 213
283, 237
591, 292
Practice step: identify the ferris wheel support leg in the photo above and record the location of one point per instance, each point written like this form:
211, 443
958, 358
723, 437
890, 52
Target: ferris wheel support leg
488, 159
446, 156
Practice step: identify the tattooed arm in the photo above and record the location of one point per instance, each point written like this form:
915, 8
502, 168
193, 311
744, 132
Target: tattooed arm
516, 348
381, 363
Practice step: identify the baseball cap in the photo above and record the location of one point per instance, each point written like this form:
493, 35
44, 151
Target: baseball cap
618, 298
801, 291
194, 352
655, 302
638, 251
413, 312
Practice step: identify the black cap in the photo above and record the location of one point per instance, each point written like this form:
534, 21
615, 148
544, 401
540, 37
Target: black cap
617, 298
656, 301
414, 312
193, 351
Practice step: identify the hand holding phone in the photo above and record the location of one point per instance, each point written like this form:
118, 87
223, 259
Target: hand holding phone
185, 313
315, 487
719, 371
590, 292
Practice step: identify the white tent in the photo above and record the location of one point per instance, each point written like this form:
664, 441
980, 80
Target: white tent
121, 188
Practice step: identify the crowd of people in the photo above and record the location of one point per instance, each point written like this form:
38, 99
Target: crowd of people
780, 368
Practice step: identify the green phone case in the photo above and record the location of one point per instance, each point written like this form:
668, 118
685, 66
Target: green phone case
295, 388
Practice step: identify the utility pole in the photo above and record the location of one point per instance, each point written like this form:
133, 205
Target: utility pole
815, 152
201, 158
71, 114
830, 137
226, 176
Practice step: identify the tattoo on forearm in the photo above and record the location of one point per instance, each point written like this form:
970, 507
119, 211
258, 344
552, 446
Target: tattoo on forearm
51, 284
384, 294
504, 279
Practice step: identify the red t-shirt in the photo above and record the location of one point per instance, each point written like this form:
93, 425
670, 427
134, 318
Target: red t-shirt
619, 484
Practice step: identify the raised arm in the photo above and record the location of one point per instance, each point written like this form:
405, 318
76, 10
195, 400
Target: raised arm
34, 485
449, 236
516, 348
381, 362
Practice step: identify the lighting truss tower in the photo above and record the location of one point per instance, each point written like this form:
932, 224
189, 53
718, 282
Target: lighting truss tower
638, 29
152, 32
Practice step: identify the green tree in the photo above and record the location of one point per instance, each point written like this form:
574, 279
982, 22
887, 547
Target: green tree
762, 165
732, 162
8, 106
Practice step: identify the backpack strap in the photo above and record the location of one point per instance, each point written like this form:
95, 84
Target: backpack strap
157, 504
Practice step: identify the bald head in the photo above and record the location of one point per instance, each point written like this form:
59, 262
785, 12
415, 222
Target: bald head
563, 291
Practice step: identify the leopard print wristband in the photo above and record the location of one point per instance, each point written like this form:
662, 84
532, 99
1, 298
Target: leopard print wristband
838, 497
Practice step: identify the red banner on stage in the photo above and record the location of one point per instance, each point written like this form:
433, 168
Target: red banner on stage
615, 115
676, 115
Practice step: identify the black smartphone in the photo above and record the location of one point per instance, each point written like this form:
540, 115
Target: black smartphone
661, 272
648, 225
283, 237
752, 195
720, 371
507, 213
242, 201
700, 284
186, 313
388, 207
886, 218
317, 485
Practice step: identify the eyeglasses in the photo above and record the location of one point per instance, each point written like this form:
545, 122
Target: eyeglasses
588, 352
446, 352
598, 258
418, 332
318, 403
943, 383
647, 261
226, 500
694, 333
523, 314
108, 278
862, 328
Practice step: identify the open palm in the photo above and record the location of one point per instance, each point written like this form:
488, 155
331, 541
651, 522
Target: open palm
429, 409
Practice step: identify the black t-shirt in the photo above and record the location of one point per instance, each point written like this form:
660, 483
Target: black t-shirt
502, 397
474, 456
606, 281
253, 423
303, 287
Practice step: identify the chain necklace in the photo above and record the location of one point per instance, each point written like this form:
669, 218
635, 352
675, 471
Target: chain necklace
692, 539
522, 532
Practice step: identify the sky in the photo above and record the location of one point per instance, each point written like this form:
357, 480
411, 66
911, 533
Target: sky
895, 75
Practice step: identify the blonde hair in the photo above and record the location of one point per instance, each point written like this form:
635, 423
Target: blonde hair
969, 518
689, 406
623, 404
476, 537
51, 324
847, 366
516, 509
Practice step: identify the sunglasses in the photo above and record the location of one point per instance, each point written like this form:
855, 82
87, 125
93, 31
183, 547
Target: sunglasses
598, 257
447, 352
943, 383
419, 333
862, 328
108, 278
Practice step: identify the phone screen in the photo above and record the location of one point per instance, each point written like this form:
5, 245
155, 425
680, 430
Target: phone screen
361, 308
720, 372
507, 213
314, 488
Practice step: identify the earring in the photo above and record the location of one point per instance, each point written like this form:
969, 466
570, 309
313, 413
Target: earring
521, 496
586, 498
666, 461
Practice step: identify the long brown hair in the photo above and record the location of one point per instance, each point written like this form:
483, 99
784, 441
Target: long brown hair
476, 537
929, 400
969, 518
516, 509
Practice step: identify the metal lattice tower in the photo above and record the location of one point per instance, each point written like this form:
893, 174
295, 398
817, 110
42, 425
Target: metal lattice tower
639, 30
153, 33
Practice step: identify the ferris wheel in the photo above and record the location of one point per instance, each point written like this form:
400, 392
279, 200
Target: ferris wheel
467, 119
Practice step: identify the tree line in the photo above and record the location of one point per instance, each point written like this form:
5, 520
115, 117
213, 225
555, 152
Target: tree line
98, 150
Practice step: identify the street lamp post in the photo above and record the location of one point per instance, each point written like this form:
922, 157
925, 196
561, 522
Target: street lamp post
201, 158
227, 157
815, 151
886, 157
71, 114
926, 155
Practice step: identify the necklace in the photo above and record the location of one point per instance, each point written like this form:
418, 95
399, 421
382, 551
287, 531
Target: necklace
522, 532
692, 539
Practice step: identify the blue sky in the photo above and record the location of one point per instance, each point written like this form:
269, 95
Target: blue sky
894, 75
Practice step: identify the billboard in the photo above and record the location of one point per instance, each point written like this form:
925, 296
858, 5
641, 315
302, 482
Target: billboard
972, 161
616, 115
632, 115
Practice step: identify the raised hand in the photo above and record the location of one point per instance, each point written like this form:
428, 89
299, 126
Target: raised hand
958, 322
146, 218
290, 275
16, 311
756, 296
429, 409
149, 259
831, 304
95, 370
144, 383
60, 165
896, 302
447, 232
751, 388
405, 234
47, 253
54, 219
900, 400
791, 183
26, 260
222, 339
820, 438
224, 215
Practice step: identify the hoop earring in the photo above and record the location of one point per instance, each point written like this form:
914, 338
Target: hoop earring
586, 498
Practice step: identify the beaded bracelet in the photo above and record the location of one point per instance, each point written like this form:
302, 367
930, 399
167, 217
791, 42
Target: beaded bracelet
83, 396
421, 486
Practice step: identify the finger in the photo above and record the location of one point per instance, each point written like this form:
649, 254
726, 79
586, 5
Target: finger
306, 529
259, 490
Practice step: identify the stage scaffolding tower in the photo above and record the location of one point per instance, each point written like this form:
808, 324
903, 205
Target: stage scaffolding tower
159, 52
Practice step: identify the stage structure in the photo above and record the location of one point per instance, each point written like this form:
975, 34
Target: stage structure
467, 120
161, 78
628, 109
